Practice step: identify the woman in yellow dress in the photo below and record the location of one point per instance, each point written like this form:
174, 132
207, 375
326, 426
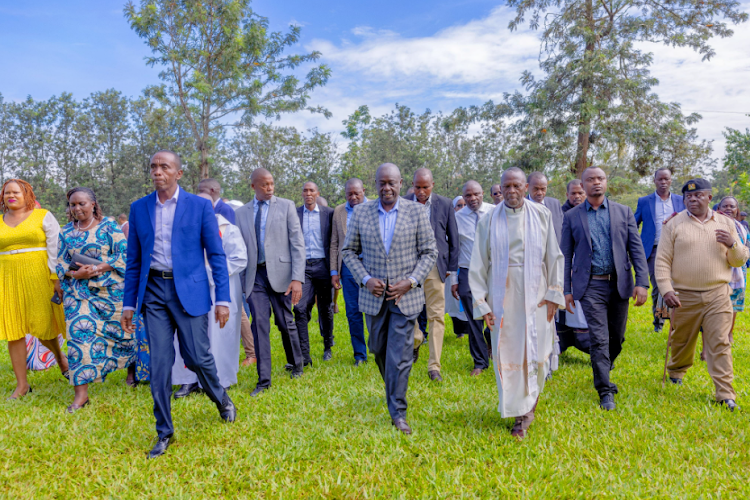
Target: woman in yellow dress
28, 279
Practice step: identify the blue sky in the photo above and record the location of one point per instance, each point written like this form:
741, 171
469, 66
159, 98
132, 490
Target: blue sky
426, 54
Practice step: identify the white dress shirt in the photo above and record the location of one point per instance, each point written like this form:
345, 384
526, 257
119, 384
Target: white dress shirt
467, 220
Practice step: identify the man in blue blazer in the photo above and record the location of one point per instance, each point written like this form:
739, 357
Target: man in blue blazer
170, 232
652, 211
601, 246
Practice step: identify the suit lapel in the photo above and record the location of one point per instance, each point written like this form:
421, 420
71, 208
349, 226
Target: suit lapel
375, 222
433, 216
151, 206
401, 222
585, 222
323, 225
652, 205
179, 211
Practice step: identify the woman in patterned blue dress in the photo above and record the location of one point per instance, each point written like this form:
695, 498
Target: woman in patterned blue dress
92, 296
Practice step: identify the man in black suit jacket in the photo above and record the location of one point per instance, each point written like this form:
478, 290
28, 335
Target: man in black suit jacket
316, 221
538, 192
443, 220
600, 241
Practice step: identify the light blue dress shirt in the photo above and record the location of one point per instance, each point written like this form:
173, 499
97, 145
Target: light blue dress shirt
387, 222
263, 217
311, 230
350, 211
161, 259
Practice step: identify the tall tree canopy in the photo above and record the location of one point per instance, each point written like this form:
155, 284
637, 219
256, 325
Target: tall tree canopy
597, 84
222, 66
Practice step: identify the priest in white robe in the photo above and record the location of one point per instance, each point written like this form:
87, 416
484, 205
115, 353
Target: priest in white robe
516, 280
225, 342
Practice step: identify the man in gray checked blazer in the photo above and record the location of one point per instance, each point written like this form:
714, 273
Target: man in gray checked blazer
390, 249
275, 272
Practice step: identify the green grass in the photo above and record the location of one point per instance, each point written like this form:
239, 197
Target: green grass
328, 434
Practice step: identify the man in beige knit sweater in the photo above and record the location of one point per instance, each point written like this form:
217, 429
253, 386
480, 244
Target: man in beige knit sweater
694, 261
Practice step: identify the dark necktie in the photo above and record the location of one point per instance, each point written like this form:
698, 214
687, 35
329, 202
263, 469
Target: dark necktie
258, 218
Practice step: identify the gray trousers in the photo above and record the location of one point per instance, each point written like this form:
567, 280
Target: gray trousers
392, 343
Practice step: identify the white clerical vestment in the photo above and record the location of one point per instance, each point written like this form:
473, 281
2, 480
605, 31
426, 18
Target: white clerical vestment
521, 351
225, 342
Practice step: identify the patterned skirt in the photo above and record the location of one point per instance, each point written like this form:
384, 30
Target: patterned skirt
97, 344
738, 295
143, 354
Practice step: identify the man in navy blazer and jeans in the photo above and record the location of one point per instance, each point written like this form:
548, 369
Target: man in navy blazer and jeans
600, 242
653, 210
170, 232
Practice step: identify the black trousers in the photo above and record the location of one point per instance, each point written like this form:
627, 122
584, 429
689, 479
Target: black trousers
607, 316
162, 315
317, 285
479, 337
658, 320
262, 301
392, 343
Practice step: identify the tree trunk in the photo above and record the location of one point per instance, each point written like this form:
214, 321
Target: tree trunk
584, 119
205, 172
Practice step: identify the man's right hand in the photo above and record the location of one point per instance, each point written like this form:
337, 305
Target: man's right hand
454, 292
375, 286
336, 282
126, 321
570, 303
672, 300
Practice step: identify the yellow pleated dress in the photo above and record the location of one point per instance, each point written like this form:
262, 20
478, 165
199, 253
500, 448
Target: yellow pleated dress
26, 283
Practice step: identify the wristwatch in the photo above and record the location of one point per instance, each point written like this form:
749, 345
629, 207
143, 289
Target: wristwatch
414, 282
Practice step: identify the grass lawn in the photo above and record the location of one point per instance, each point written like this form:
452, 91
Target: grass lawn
328, 434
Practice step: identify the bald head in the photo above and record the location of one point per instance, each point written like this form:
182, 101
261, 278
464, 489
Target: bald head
262, 183
514, 186
538, 183
354, 190
388, 181
423, 184
210, 187
473, 195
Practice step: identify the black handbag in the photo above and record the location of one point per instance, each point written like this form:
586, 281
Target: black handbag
77, 260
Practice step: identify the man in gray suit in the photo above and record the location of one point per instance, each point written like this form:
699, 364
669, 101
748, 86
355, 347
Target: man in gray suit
538, 192
275, 272
396, 244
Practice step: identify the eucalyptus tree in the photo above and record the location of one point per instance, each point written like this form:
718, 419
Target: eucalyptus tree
222, 66
596, 80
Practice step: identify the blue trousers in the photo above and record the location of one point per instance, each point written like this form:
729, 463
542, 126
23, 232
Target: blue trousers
162, 315
353, 316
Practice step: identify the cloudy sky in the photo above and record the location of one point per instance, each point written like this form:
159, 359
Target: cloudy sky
434, 54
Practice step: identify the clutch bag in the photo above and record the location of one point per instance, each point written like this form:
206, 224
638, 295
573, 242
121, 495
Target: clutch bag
77, 260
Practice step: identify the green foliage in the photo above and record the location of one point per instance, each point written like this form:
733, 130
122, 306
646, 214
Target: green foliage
597, 85
328, 434
222, 63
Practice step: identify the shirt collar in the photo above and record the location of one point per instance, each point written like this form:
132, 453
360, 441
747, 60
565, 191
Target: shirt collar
604, 204
256, 201
174, 197
710, 216
658, 198
314, 210
394, 209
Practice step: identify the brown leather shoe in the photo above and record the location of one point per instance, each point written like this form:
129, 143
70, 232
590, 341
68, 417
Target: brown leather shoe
476, 372
518, 430
435, 376
249, 361
401, 425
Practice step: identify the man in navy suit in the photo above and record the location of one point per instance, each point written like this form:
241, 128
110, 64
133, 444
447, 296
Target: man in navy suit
653, 210
316, 222
601, 246
170, 232
538, 182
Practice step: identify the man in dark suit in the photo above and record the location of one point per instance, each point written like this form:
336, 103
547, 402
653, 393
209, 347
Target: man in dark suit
653, 211
172, 232
601, 246
390, 249
275, 273
316, 221
538, 192
212, 188
442, 218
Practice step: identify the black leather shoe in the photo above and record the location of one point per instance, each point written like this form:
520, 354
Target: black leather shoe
257, 391
416, 354
296, 374
359, 362
327, 355
675, 381
160, 448
289, 367
307, 363
730, 404
435, 376
401, 425
186, 390
607, 402
227, 410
